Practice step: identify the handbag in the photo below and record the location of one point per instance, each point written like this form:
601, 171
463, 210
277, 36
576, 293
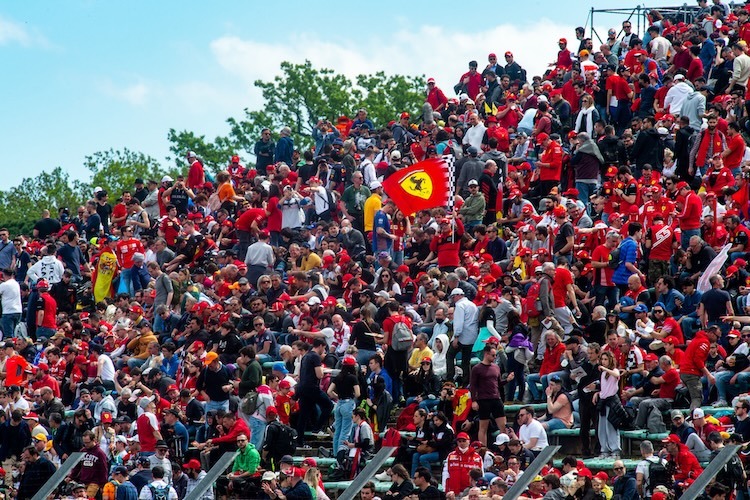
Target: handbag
425, 448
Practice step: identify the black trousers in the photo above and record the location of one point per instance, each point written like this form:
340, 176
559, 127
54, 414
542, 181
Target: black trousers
465, 351
589, 417
309, 398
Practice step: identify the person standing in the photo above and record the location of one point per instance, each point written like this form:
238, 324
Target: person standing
92, 470
309, 393
466, 330
10, 297
693, 365
345, 389
396, 358
485, 392
37, 471
264, 150
609, 384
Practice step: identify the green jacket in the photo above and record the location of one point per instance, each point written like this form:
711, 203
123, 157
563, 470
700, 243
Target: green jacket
247, 460
251, 378
473, 207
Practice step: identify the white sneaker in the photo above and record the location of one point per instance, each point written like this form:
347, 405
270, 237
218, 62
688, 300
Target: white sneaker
719, 404
383, 476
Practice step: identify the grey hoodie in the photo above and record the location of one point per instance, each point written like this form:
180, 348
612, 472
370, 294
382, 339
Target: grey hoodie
694, 106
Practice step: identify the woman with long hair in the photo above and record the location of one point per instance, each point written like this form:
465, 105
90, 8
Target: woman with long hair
312, 479
587, 116
366, 334
402, 486
609, 438
387, 282
360, 441
345, 390
225, 191
426, 384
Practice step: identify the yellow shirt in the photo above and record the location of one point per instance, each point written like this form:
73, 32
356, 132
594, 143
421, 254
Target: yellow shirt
311, 262
417, 355
372, 205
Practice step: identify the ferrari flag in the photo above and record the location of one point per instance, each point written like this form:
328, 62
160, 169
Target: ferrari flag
422, 186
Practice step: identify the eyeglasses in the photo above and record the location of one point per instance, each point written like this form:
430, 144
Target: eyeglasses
618, 468
746, 336
258, 324
242, 440
658, 311
265, 282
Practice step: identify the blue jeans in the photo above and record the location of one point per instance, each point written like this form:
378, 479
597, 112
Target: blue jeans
532, 379
425, 404
686, 235
8, 324
737, 255
126, 283
585, 190
554, 424
342, 422
363, 356
43, 332
217, 405
257, 431
423, 460
606, 294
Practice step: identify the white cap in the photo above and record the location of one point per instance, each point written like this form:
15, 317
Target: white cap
501, 438
313, 301
473, 182
396, 155
463, 97
191, 154
697, 413
167, 178
662, 131
375, 184
542, 98
457, 291
383, 294
678, 76
97, 189
538, 269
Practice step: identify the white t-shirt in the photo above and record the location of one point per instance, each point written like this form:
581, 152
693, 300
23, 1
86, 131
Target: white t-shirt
108, 368
10, 295
527, 432
642, 468
21, 404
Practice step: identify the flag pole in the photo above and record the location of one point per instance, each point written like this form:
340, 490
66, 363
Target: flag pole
450, 163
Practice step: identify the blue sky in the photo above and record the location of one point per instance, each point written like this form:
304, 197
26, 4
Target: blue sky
85, 76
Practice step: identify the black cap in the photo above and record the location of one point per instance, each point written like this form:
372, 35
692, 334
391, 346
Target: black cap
138, 181
99, 388
161, 444
572, 340
174, 412
124, 419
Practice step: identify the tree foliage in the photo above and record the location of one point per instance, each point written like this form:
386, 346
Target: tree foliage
215, 155
116, 170
23, 204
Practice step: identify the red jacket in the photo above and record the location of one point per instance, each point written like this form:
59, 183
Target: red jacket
687, 465
552, 357
692, 215
239, 427
447, 248
696, 354
457, 467
736, 145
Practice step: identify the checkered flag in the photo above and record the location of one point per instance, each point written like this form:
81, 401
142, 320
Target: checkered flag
450, 162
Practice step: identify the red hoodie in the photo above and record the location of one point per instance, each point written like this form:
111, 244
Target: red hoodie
239, 427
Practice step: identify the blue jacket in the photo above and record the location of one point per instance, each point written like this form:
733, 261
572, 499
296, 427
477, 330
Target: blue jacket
284, 150
625, 487
628, 253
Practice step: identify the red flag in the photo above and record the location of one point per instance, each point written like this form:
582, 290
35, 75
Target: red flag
461, 405
422, 186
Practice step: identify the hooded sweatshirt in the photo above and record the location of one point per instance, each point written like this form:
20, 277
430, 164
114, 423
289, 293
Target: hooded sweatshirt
439, 365
676, 96
694, 106
48, 268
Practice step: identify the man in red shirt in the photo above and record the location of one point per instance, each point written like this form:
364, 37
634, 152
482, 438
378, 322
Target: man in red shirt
687, 466
445, 245
661, 242
396, 362
693, 365
549, 164
170, 227
196, 175
604, 287
657, 205
435, 97
667, 384
46, 312
690, 219
619, 95
471, 81
248, 224
718, 176
735, 148
458, 463
562, 292
120, 211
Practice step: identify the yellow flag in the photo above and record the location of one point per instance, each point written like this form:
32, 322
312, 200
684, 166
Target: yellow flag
487, 108
494, 109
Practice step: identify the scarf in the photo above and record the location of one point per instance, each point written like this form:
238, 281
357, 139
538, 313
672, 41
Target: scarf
589, 147
588, 113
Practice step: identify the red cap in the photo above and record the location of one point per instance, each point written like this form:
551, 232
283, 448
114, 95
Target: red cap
731, 271
612, 172
559, 211
650, 357
509, 53
106, 417
44, 367
405, 115
571, 192
462, 435
524, 252
491, 119
582, 255
492, 54
527, 209
173, 388
310, 462
563, 40
314, 179
196, 345
328, 259
426, 359
540, 138
740, 263
192, 464
515, 192
272, 409
603, 476
403, 268
277, 306
42, 284
682, 185
430, 80
136, 309
298, 471
493, 296
488, 279
349, 361
585, 473
672, 438
671, 340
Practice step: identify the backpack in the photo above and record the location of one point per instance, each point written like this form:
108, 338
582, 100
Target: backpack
214, 203
392, 437
614, 257
249, 403
401, 337
286, 439
531, 306
159, 493
658, 475
556, 124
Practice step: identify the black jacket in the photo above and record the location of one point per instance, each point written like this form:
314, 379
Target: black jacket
13, 439
35, 475
648, 149
613, 151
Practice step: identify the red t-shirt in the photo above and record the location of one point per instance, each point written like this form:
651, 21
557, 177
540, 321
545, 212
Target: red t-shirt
661, 237
671, 381
15, 370
196, 176
619, 87
50, 311
171, 229
120, 210
147, 426
663, 207
245, 221
274, 217
695, 70
736, 145
691, 216
475, 82
126, 249
604, 275
563, 278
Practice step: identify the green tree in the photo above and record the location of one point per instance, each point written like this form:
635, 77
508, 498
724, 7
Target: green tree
386, 96
23, 204
115, 170
215, 155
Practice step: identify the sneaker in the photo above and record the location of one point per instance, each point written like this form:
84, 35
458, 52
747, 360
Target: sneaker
321, 434
383, 476
720, 403
614, 456
305, 447
603, 456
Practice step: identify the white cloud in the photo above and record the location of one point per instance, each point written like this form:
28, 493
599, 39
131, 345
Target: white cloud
430, 50
12, 32
136, 94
